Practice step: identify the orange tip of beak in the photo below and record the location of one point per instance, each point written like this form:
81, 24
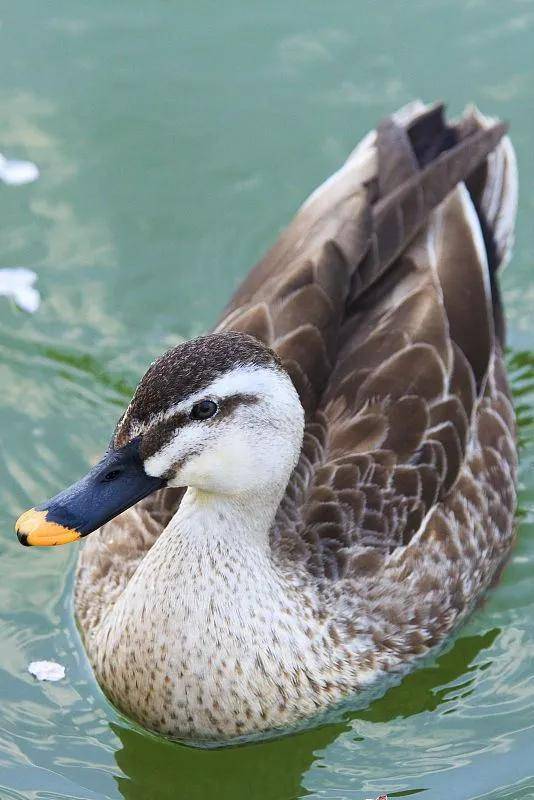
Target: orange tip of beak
33, 529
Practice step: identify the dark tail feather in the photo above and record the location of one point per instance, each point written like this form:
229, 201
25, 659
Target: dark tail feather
432, 158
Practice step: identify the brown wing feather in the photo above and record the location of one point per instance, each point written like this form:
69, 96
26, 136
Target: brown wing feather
397, 414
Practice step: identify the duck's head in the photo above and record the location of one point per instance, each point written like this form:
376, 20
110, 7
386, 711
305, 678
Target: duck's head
218, 413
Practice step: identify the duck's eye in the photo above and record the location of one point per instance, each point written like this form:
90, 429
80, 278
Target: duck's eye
203, 409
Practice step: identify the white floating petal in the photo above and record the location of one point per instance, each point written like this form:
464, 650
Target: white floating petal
17, 283
17, 173
47, 670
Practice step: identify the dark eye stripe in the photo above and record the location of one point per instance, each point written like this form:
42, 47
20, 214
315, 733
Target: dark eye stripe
229, 404
160, 434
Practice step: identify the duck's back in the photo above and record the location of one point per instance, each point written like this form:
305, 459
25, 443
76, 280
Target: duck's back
382, 301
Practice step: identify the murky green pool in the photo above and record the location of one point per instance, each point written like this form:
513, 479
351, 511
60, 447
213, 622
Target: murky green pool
174, 140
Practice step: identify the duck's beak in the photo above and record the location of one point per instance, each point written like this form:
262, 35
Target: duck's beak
116, 483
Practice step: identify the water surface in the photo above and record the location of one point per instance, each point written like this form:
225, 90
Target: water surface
174, 140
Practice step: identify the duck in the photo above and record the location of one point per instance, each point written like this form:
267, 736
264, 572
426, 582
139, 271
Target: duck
308, 500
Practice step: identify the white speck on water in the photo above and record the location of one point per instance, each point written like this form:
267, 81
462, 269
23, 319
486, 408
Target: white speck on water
46, 670
16, 173
17, 283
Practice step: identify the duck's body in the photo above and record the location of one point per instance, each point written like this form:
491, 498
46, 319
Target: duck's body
270, 591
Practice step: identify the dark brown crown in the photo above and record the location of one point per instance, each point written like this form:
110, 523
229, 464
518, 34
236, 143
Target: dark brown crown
185, 370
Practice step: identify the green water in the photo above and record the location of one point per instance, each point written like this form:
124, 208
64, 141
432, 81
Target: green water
175, 139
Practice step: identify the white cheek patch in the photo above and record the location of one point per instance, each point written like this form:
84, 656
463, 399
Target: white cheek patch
199, 450
185, 443
217, 457
224, 463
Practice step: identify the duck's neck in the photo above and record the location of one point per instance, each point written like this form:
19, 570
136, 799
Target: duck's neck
231, 522
215, 553
214, 563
